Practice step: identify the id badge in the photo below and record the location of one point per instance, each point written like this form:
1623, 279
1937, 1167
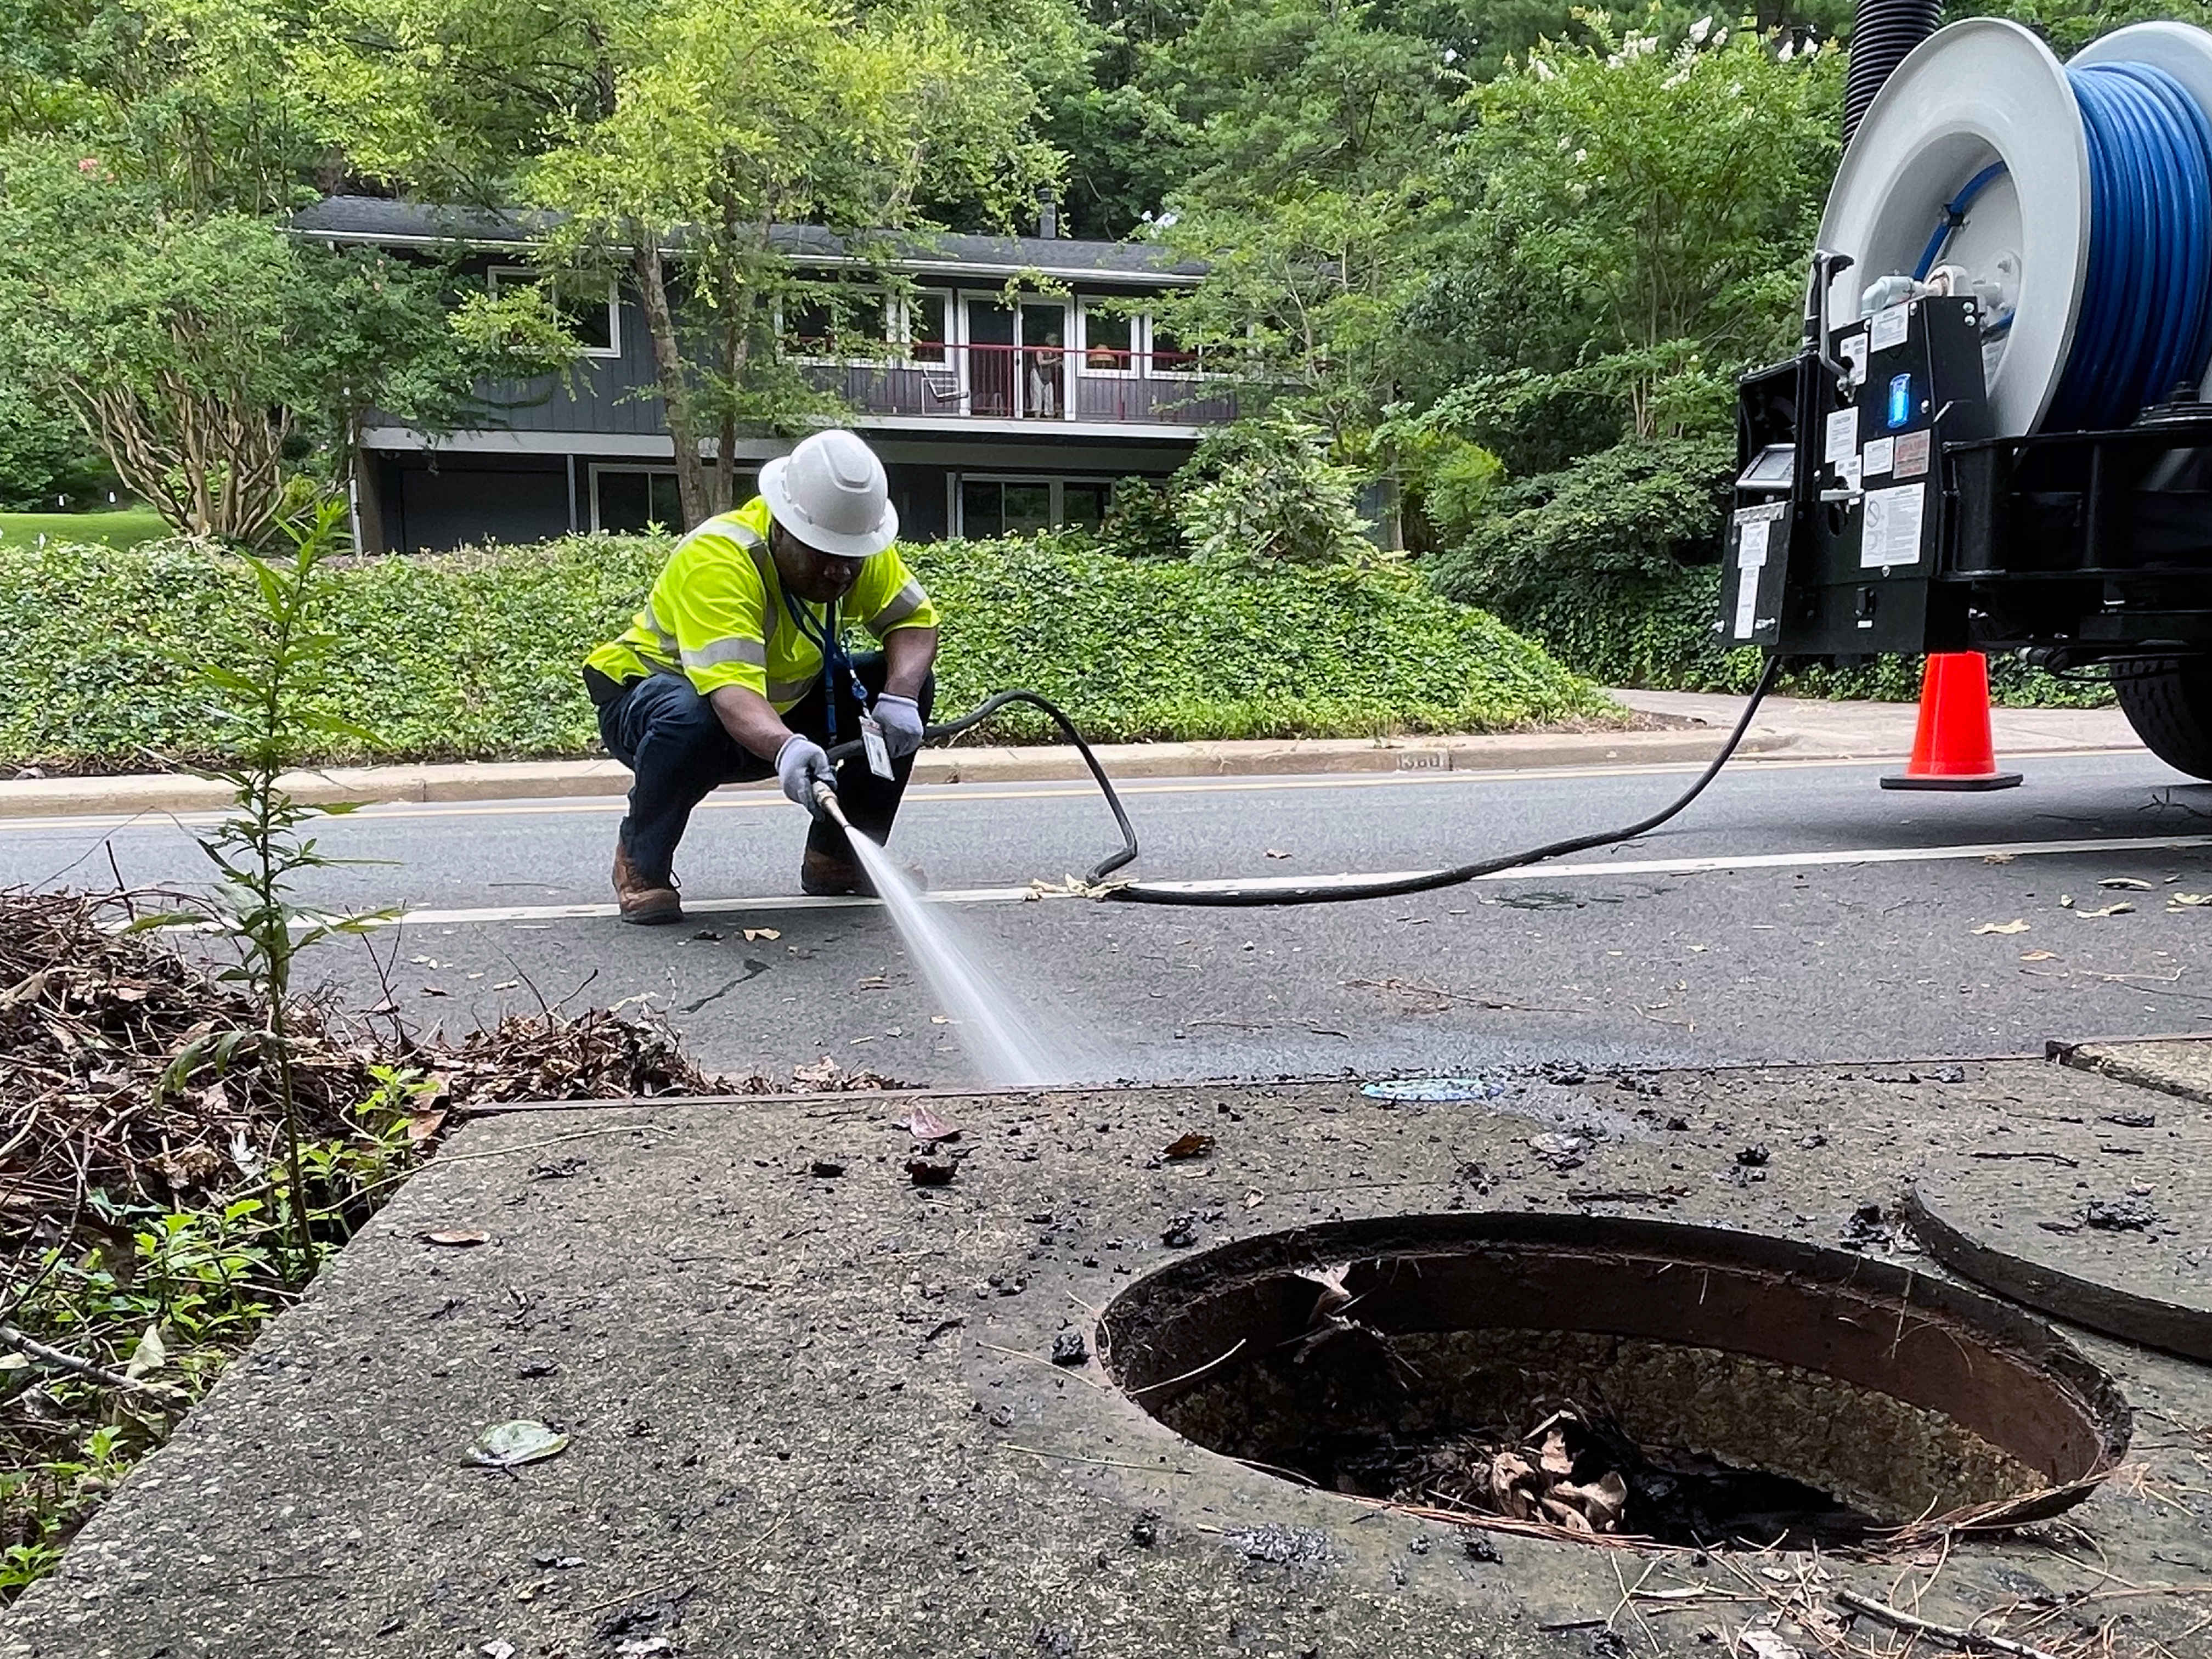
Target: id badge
871, 741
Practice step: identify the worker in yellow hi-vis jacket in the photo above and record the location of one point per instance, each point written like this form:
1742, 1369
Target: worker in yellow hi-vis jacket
735, 669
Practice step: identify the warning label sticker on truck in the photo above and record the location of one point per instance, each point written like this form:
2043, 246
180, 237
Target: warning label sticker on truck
1751, 560
1889, 327
1890, 534
1843, 434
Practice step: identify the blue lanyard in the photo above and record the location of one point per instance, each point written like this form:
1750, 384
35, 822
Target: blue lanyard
833, 657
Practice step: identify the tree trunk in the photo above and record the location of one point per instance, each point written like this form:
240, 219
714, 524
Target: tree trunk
695, 475
206, 466
731, 357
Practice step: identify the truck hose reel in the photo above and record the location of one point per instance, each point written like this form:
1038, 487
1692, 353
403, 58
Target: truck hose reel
2074, 201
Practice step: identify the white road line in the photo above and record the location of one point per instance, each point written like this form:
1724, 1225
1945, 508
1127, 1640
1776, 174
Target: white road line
713, 907
1675, 866
754, 797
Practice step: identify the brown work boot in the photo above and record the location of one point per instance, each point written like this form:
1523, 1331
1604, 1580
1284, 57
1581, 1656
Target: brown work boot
821, 875
640, 900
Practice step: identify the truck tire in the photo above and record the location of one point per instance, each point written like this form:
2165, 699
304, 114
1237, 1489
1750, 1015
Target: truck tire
2169, 703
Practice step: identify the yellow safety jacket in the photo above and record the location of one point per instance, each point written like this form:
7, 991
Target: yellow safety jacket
719, 616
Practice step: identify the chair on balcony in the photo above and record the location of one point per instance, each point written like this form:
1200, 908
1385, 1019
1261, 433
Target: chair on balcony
940, 389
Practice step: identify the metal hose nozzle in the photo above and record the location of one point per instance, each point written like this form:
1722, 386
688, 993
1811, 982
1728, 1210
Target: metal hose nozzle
826, 799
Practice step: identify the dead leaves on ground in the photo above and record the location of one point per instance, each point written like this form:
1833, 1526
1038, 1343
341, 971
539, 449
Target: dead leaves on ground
1530, 1479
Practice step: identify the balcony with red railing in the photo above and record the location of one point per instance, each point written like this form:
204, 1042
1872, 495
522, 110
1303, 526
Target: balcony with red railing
1045, 384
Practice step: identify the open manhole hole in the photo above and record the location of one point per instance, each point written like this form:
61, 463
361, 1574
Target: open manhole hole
1689, 1384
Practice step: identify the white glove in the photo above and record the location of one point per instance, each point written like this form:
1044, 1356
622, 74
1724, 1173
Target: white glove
800, 765
901, 719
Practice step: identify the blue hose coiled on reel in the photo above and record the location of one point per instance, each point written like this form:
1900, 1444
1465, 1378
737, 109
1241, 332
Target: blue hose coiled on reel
2146, 321
2145, 326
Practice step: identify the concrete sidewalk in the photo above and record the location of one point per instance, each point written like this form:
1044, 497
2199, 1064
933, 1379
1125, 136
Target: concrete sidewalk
812, 1409
1683, 727
1879, 730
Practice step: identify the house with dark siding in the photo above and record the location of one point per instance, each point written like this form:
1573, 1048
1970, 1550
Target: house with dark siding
1007, 386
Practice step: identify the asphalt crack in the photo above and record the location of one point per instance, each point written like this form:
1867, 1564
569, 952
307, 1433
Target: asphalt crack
754, 970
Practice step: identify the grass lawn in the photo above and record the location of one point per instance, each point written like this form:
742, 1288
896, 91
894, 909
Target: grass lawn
125, 527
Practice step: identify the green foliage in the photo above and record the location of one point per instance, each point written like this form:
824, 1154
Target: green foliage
1640, 206
695, 125
475, 655
1228, 651
830, 119
1449, 482
45, 460
148, 290
1658, 629
193, 1287
265, 707
199, 352
203, 1281
1141, 524
1623, 514
1640, 217
1311, 133
1263, 491
2069, 25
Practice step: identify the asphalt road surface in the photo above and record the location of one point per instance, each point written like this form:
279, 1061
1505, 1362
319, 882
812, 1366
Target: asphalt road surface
1795, 913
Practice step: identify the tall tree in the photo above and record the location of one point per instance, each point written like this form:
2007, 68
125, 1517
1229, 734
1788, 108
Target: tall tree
668, 141
148, 151
726, 125
1314, 129
454, 99
1639, 216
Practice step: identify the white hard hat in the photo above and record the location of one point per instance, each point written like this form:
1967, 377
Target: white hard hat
831, 493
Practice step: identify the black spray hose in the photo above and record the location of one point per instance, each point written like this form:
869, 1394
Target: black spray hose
1248, 897
1253, 897
990, 706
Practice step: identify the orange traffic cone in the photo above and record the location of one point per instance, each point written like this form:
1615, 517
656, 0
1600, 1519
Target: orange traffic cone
1952, 748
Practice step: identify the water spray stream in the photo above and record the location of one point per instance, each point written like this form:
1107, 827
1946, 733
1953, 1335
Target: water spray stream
1003, 1046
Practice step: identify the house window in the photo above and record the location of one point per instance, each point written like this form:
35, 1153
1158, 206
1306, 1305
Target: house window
629, 499
928, 316
833, 326
1085, 503
590, 308
1164, 355
1007, 505
1109, 341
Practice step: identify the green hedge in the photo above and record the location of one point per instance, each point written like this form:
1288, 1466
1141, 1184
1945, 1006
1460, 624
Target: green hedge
1659, 632
474, 655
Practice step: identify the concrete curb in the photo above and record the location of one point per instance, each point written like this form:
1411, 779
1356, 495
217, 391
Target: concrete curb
131, 795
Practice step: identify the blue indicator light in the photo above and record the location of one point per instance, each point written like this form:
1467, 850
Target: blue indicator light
1900, 401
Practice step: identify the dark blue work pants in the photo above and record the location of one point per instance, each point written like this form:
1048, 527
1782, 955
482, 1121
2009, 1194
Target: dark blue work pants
678, 750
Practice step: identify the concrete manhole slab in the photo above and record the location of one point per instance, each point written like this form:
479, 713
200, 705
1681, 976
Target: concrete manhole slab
850, 1417
2109, 1224
2174, 1066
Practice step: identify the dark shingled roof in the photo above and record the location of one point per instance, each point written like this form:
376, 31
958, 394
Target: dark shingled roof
374, 219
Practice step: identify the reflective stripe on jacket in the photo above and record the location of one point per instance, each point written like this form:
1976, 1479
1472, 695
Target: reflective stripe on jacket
717, 614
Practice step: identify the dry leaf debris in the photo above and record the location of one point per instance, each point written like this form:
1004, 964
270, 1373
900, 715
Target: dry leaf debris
134, 1071
1529, 1480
